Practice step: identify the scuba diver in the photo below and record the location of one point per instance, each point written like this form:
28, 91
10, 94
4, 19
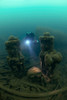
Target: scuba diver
30, 44
30, 38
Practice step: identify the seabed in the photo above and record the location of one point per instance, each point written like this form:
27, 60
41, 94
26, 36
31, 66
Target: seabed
33, 85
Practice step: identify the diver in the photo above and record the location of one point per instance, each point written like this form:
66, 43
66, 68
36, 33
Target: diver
30, 38
30, 44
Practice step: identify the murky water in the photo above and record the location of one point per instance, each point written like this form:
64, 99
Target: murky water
18, 17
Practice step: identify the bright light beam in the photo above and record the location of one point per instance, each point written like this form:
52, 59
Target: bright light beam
27, 42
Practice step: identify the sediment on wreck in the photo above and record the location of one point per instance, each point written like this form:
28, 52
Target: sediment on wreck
15, 58
49, 56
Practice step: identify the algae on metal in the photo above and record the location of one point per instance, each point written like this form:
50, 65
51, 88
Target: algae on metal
15, 58
49, 57
17, 88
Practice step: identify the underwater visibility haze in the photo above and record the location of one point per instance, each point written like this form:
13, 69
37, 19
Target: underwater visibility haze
37, 68
20, 16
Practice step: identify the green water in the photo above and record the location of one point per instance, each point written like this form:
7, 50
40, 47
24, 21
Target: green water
19, 20
20, 16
